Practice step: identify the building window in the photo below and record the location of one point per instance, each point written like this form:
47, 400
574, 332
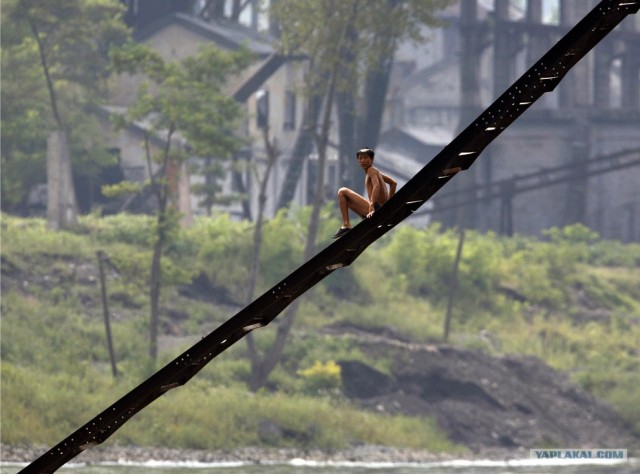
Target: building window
262, 109
289, 110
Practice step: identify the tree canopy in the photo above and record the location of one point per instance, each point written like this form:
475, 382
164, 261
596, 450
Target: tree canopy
183, 104
358, 39
55, 65
374, 30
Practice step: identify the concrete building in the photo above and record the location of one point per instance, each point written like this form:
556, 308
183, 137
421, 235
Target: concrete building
436, 89
268, 91
594, 113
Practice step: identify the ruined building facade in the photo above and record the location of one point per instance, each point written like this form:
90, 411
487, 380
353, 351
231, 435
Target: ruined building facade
573, 157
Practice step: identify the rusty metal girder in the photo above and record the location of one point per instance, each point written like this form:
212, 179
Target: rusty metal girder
459, 155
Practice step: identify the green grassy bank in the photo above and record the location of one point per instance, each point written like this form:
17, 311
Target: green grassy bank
570, 298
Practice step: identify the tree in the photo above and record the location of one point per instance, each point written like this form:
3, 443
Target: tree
66, 41
185, 106
342, 38
323, 84
368, 64
24, 118
272, 154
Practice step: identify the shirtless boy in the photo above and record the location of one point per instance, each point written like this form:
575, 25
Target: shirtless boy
375, 183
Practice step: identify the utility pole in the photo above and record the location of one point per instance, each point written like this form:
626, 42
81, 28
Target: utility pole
105, 306
453, 285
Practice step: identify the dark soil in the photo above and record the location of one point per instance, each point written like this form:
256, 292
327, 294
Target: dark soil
480, 400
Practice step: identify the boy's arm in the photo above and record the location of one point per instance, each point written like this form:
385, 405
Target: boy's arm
391, 182
375, 190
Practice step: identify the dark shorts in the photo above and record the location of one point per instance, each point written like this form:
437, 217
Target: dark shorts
376, 206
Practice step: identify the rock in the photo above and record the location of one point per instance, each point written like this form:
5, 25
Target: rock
361, 381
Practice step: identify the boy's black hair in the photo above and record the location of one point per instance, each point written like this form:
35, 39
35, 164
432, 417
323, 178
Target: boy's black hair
365, 151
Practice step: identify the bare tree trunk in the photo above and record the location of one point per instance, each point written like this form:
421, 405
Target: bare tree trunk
272, 156
236, 176
347, 133
155, 277
261, 371
154, 293
62, 207
105, 311
359, 132
453, 286
237, 8
375, 93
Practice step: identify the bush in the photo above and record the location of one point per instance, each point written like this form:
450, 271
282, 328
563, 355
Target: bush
558, 306
132, 229
423, 262
321, 378
224, 250
30, 236
283, 243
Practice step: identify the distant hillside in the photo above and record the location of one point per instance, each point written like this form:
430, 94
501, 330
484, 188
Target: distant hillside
368, 339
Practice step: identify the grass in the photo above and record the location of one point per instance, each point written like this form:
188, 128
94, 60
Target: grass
584, 321
204, 415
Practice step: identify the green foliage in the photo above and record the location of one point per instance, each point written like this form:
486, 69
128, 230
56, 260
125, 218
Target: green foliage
621, 389
282, 246
45, 415
576, 235
224, 252
124, 187
73, 38
59, 323
188, 98
321, 377
225, 417
332, 35
583, 322
20, 235
24, 121
137, 230
425, 269
615, 254
183, 103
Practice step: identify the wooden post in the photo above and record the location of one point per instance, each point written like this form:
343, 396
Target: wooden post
105, 306
453, 284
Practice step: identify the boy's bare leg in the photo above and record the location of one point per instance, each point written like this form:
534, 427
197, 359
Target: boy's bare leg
349, 199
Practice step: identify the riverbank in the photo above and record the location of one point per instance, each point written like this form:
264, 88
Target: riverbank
252, 455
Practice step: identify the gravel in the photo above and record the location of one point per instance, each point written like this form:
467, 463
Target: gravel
255, 455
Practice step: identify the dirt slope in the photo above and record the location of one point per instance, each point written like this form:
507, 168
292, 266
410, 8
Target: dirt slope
483, 401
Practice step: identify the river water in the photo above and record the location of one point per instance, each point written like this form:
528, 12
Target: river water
525, 466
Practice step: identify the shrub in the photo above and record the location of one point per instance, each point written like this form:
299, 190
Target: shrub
283, 242
133, 229
423, 262
30, 236
223, 252
321, 377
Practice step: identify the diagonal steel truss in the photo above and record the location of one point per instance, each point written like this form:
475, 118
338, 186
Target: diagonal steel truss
459, 155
